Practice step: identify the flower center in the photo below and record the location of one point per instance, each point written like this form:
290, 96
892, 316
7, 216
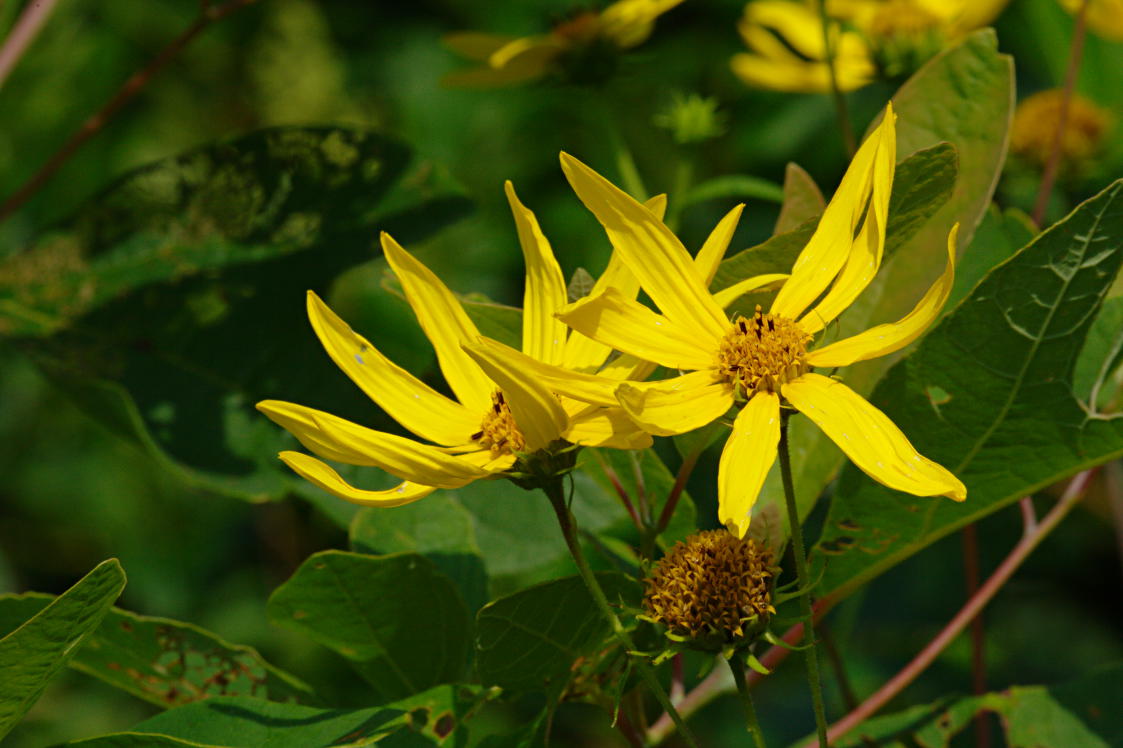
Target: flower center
498, 431
762, 352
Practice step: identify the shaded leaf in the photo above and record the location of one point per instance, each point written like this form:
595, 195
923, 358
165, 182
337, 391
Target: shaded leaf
1000, 234
802, 200
736, 186
580, 285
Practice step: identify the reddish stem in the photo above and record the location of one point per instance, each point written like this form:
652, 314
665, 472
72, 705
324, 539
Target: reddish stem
978, 634
23, 33
622, 492
681, 478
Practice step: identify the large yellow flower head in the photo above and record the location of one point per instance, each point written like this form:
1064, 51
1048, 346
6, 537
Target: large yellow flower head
498, 419
787, 52
507, 60
762, 362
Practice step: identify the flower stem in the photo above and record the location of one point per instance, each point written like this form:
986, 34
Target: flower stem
840, 107
568, 525
812, 655
738, 669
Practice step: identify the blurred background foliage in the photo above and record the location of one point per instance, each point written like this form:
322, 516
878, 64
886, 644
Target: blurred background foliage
73, 494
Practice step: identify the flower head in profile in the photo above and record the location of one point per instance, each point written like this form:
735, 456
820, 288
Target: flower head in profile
760, 362
580, 48
869, 38
1037, 119
500, 423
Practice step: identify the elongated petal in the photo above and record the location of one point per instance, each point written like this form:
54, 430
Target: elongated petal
657, 204
746, 459
407, 400
869, 438
716, 244
445, 323
727, 296
654, 254
675, 406
319, 474
527, 53
485, 76
830, 245
630, 22
594, 426
543, 334
484, 459
588, 388
475, 45
866, 251
885, 339
536, 409
405, 458
298, 421
631, 327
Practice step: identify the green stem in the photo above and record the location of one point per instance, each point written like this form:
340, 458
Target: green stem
840, 106
684, 175
812, 655
568, 525
738, 669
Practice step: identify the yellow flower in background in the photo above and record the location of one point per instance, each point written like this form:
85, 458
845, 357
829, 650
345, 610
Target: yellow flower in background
869, 38
1035, 128
498, 416
507, 60
759, 361
1104, 17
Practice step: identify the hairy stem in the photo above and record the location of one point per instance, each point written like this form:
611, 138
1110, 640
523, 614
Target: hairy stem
738, 670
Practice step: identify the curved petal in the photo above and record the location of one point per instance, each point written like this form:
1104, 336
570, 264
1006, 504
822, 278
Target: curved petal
869, 438
798, 25
830, 246
319, 474
727, 296
543, 334
746, 459
594, 426
588, 388
445, 323
483, 458
714, 248
675, 406
631, 327
657, 204
529, 54
397, 455
629, 22
885, 339
298, 421
536, 409
654, 254
407, 400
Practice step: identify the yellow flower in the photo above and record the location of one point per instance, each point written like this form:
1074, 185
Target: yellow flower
868, 37
507, 60
1035, 127
499, 416
756, 362
1105, 17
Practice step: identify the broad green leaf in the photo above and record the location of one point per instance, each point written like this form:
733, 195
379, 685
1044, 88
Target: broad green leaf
989, 395
175, 300
439, 528
802, 200
1000, 234
34, 652
1098, 379
396, 617
1080, 714
963, 96
530, 640
495, 320
737, 186
166, 662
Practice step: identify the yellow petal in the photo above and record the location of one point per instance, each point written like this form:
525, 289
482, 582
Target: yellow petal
594, 426
488, 77
630, 22
407, 400
830, 245
675, 406
319, 474
798, 25
483, 458
397, 455
543, 334
631, 327
588, 388
537, 411
657, 205
869, 438
445, 323
475, 45
654, 254
885, 339
727, 296
866, 251
298, 421
716, 244
531, 54
746, 459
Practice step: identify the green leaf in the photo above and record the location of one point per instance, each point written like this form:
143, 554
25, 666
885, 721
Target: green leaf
439, 528
989, 395
396, 617
1080, 714
802, 200
998, 237
580, 285
166, 662
174, 301
1097, 379
738, 186
34, 652
529, 641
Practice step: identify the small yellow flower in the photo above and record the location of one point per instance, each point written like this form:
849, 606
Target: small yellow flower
507, 60
868, 37
1035, 127
500, 418
1104, 17
758, 361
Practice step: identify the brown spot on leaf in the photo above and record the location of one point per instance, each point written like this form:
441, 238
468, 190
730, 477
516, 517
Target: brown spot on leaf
444, 725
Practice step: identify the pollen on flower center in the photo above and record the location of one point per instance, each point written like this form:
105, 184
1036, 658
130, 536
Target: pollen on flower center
762, 352
498, 431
